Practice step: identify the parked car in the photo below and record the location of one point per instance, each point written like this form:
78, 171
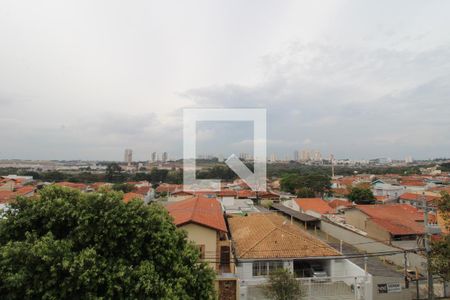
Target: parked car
318, 272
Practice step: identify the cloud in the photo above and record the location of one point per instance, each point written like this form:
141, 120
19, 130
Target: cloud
353, 102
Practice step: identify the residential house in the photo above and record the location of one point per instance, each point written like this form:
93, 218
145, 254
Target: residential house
340, 205
388, 191
264, 242
202, 218
388, 222
417, 200
315, 207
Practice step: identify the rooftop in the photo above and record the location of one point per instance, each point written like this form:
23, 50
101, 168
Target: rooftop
199, 210
314, 204
269, 235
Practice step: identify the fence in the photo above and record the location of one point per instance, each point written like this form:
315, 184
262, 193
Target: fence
324, 288
366, 244
420, 288
345, 287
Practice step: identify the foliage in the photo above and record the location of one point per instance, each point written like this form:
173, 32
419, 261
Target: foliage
305, 192
361, 196
123, 187
114, 173
282, 285
440, 249
316, 183
69, 245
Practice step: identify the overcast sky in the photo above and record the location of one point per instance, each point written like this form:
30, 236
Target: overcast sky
360, 79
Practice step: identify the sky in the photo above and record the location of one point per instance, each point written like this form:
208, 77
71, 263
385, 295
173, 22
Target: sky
359, 79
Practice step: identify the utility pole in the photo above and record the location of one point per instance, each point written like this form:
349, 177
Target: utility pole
428, 249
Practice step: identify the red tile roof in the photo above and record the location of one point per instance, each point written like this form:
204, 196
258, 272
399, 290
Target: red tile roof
398, 219
79, 186
271, 236
143, 190
168, 188
25, 190
413, 183
339, 203
416, 197
7, 196
198, 210
315, 204
130, 196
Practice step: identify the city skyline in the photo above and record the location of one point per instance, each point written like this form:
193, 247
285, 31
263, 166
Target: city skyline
356, 80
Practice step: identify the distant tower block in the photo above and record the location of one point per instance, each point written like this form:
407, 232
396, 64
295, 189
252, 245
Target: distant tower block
128, 156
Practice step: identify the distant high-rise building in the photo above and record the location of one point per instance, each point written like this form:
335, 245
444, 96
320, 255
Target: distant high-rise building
128, 156
305, 155
296, 155
317, 156
154, 157
273, 157
165, 157
409, 159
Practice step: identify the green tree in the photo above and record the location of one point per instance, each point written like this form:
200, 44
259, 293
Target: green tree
317, 183
114, 173
123, 187
361, 196
282, 285
69, 245
440, 249
305, 192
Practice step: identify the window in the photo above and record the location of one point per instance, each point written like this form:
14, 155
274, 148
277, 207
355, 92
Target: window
201, 248
224, 255
274, 265
263, 268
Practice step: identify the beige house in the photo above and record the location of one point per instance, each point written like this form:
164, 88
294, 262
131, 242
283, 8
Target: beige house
202, 219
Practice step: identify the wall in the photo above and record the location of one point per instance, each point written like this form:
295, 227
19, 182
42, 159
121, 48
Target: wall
356, 218
201, 235
375, 231
244, 271
405, 294
370, 245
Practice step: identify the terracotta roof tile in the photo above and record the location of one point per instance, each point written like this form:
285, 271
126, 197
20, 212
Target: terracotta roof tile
199, 210
339, 203
398, 219
7, 196
315, 204
79, 186
269, 235
130, 196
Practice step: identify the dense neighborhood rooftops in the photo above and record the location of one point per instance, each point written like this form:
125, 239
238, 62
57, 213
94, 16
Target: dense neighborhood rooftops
198, 210
270, 236
314, 204
418, 197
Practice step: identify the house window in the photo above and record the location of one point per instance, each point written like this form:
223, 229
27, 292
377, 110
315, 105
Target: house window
263, 268
274, 265
201, 248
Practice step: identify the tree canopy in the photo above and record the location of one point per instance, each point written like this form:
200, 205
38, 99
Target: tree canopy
309, 184
282, 285
69, 245
361, 196
440, 249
